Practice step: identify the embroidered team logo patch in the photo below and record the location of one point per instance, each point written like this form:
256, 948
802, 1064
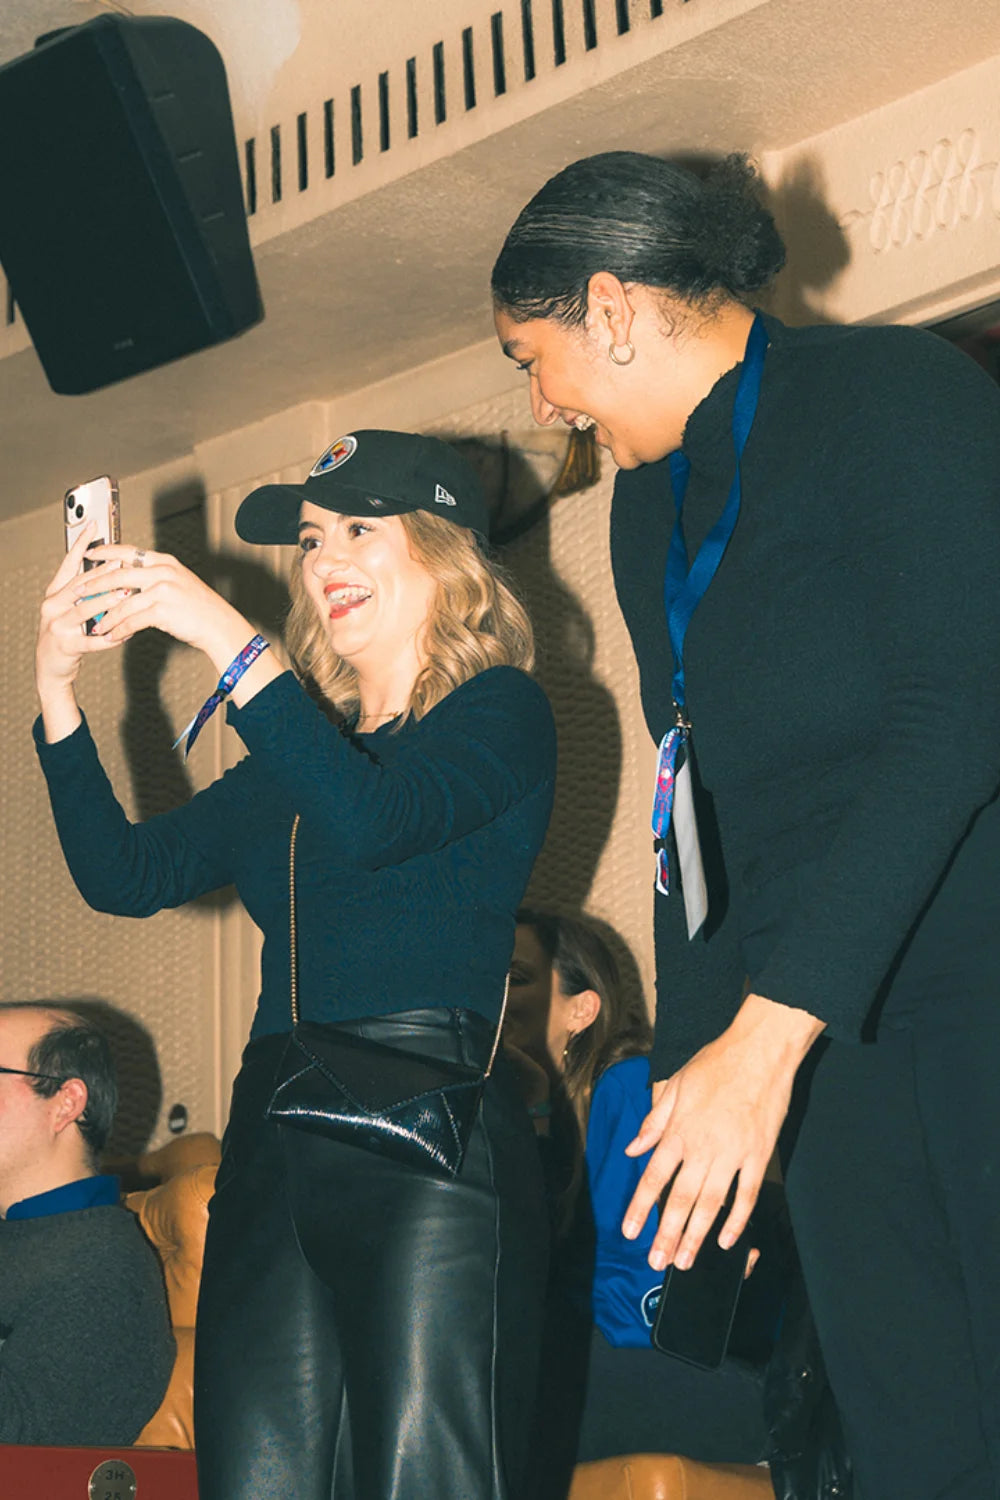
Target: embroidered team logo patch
338, 453
649, 1304
443, 496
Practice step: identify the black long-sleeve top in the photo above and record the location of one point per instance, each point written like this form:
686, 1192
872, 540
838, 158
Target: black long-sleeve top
414, 849
843, 684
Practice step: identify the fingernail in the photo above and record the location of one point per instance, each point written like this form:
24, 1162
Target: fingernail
630, 1229
727, 1240
658, 1260
684, 1261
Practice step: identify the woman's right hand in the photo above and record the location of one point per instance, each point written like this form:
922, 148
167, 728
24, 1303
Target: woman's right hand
63, 641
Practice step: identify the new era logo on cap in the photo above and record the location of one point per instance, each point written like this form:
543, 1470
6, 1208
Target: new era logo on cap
443, 497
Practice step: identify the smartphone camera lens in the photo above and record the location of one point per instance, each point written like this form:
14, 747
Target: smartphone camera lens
79, 512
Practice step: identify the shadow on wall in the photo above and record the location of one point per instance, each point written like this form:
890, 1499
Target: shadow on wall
160, 780
140, 1087
818, 250
586, 716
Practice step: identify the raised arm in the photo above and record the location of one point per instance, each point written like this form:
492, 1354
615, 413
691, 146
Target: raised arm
136, 869
131, 869
141, 590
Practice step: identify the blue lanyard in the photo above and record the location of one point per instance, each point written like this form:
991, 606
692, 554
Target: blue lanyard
684, 588
227, 682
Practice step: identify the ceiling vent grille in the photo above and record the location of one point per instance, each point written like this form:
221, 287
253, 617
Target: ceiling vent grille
499, 53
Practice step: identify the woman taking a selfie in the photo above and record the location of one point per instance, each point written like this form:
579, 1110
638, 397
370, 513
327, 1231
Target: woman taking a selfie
805, 542
371, 1304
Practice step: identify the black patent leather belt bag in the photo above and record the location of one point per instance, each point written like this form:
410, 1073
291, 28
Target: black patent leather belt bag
413, 1109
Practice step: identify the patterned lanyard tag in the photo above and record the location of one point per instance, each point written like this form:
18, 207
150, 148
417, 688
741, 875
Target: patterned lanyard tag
663, 801
673, 804
684, 586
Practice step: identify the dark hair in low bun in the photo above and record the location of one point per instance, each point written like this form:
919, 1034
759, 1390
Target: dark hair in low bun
644, 219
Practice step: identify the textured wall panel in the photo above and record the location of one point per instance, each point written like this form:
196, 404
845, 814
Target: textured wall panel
598, 855
155, 975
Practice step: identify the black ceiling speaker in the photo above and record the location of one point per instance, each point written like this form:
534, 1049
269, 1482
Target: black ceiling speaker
122, 227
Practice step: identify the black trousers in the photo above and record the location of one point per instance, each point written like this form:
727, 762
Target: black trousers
367, 1331
893, 1181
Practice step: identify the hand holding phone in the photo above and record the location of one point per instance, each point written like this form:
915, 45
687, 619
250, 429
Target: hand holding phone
695, 1313
97, 501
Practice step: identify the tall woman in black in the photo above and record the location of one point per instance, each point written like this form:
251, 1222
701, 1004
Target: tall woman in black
839, 675
366, 1330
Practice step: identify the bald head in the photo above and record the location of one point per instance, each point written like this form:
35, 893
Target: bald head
22, 1024
56, 1110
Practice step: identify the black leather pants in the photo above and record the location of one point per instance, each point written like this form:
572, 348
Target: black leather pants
367, 1331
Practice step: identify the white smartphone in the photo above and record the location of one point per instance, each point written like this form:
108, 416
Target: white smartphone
97, 500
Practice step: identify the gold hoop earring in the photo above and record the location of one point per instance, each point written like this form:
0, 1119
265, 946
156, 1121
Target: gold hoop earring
629, 348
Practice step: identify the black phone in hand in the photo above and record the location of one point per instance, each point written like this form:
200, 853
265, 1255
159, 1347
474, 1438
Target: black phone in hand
694, 1316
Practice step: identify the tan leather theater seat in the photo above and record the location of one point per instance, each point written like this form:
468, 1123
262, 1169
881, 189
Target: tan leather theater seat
174, 1216
666, 1476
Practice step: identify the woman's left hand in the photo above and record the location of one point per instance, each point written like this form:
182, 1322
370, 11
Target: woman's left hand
169, 597
714, 1121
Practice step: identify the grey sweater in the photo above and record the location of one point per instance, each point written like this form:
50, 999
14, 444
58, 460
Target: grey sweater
86, 1349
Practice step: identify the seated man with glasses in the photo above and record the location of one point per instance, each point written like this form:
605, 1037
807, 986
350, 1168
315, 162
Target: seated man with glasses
85, 1344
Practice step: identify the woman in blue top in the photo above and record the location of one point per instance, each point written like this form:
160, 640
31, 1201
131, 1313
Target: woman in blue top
366, 1331
581, 1044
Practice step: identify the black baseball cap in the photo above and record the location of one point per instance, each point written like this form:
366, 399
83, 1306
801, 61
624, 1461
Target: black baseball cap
371, 473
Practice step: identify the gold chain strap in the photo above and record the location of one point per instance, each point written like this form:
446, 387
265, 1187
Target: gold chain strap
496, 1036
292, 938
294, 960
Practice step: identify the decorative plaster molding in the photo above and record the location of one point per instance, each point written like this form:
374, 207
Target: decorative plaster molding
892, 216
935, 190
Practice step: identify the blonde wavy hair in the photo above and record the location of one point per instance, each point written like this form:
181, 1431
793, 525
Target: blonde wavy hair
476, 622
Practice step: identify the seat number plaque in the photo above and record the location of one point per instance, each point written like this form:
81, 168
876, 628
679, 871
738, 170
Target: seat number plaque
113, 1480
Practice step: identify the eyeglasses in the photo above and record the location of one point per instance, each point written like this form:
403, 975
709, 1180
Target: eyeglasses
24, 1073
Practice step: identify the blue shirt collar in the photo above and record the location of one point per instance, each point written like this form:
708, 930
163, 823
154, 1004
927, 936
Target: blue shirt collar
86, 1192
